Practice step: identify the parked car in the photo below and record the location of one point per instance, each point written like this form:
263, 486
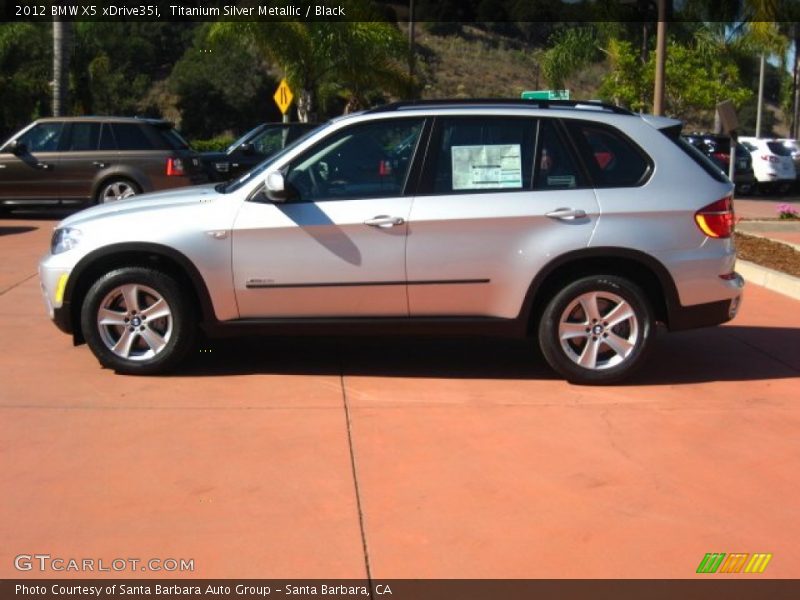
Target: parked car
93, 160
718, 149
581, 224
772, 163
254, 146
794, 148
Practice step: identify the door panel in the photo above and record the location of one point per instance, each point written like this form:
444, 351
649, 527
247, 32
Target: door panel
33, 175
30, 177
492, 251
320, 259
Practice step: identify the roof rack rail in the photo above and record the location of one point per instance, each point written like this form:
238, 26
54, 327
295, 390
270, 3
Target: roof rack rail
489, 102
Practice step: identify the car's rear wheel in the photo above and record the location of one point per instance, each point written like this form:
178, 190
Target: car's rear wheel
116, 189
596, 330
138, 321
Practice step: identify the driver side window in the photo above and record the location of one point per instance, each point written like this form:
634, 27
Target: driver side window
363, 161
43, 137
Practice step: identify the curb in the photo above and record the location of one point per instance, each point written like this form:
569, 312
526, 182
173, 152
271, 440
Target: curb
769, 278
766, 236
748, 225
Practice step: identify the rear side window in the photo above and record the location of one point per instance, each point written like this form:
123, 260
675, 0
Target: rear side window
130, 136
556, 168
88, 137
673, 133
106, 138
84, 137
480, 154
174, 139
612, 159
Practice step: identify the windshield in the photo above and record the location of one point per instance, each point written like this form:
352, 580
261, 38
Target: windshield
240, 141
234, 185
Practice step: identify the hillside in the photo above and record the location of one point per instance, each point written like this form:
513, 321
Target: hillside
478, 64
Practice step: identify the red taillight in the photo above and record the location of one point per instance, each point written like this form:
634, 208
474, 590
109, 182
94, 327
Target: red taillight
716, 219
723, 156
175, 167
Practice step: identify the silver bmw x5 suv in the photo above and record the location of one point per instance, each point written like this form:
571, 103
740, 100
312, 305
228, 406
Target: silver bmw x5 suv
580, 224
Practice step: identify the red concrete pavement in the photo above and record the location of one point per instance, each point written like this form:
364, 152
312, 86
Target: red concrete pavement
310, 458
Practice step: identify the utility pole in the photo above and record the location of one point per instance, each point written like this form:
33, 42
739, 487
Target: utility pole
411, 38
760, 95
661, 58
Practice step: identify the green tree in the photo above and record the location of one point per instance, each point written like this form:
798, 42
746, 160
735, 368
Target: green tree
25, 63
327, 58
115, 64
212, 95
571, 49
697, 79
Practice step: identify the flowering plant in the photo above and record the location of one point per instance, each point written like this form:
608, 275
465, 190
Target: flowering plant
787, 211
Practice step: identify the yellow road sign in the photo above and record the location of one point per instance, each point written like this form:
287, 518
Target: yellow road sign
283, 96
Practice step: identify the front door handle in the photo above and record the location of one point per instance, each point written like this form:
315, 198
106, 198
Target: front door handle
384, 221
566, 214
41, 165
99, 165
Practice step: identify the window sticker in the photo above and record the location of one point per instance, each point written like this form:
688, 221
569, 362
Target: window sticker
487, 166
561, 181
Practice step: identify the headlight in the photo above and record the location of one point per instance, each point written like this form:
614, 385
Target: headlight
64, 239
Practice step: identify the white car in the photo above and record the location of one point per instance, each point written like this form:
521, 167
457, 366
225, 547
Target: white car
772, 163
794, 148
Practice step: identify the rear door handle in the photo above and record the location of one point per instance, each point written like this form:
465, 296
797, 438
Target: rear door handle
566, 214
384, 221
98, 164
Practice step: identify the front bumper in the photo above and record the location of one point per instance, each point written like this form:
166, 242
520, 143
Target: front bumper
53, 282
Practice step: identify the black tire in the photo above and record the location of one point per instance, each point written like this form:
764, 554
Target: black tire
116, 188
632, 336
137, 346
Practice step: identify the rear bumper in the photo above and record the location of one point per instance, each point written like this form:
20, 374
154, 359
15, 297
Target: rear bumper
710, 313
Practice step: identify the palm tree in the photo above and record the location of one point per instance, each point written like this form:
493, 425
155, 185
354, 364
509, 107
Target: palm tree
326, 58
62, 45
761, 16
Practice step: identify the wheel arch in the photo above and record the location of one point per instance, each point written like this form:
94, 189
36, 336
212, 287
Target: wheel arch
644, 270
116, 256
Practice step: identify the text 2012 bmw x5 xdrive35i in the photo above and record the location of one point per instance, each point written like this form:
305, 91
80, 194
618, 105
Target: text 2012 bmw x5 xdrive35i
578, 223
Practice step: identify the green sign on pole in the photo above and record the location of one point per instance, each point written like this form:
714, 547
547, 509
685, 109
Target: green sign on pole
545, 95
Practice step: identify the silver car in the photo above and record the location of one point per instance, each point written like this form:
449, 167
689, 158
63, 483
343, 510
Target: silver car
580, 224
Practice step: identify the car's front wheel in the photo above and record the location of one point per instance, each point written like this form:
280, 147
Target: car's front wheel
596, 330
138, 321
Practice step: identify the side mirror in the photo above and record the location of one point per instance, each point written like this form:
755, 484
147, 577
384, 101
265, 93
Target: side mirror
275, 187
247, 148
16, 147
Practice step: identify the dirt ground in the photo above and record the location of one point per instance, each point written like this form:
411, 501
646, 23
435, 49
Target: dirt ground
764, 252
